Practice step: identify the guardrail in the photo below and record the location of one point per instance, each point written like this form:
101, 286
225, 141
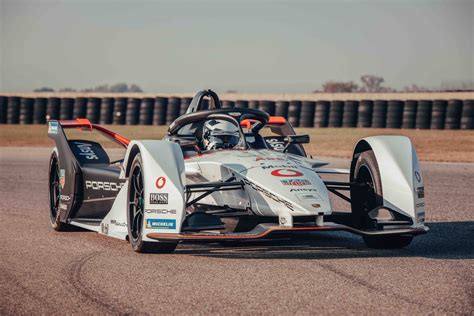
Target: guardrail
421, 114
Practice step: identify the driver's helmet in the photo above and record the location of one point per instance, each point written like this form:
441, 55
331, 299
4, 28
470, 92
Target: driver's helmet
220, 134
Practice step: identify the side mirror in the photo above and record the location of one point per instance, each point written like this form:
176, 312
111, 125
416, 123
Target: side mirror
295, 139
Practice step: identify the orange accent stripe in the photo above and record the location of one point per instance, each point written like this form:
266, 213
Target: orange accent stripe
273, 120
82, 122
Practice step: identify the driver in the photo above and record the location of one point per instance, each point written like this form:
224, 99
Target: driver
219, 134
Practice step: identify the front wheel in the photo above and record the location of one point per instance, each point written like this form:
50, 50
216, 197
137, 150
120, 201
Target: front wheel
135, 214
365, 199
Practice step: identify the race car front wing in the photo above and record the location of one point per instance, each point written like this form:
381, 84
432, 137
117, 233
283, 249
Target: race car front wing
266, 230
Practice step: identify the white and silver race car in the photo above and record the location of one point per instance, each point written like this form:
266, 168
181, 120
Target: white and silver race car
230, 174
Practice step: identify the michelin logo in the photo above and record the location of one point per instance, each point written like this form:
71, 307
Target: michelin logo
161, 223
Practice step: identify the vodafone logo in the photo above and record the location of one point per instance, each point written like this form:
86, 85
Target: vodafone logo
286, 173
160, 182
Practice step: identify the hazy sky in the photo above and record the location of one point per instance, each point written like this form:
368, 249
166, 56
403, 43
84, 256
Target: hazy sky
252, 46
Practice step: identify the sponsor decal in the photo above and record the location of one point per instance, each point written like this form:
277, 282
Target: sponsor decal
160, 182
283, 220
65, 198
62, 178
420, 217
235, 113
277, 166
295, 182
286, 173
276, 144
160, 211
420, 191
53, 127
114, 222
250, 139
422, 204
316, 205
268, 194
308, 196
161, 223
63, 206
105, 186
86, 150
158, 198
303, 190
268, 158
104, 228
418, 176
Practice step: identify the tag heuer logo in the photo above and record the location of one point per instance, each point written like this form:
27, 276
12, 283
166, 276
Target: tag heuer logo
158, 198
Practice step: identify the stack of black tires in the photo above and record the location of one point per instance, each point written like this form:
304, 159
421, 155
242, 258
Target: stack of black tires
420, 114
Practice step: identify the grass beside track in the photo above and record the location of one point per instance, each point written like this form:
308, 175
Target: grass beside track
431, 145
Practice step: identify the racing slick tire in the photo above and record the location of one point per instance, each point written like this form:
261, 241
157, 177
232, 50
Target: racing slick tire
135, 213
55, 195
365, 199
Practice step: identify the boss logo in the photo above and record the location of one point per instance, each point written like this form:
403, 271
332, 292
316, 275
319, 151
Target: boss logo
106, 186
420, 191
86, 150
158, 198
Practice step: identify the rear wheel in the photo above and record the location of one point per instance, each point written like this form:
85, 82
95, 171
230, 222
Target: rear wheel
365, 199
55, 194
135, 214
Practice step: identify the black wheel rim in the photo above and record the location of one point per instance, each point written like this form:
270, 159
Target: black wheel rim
366, 199
365, 176
136, 204
54, 190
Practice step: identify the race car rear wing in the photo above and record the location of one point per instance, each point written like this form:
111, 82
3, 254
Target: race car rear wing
86, 124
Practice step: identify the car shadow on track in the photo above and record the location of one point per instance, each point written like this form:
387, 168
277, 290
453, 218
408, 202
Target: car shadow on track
446, 240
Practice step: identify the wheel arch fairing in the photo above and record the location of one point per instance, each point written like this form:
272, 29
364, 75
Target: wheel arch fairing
402, 182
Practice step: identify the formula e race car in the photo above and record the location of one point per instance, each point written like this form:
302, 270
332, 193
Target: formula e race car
225, 174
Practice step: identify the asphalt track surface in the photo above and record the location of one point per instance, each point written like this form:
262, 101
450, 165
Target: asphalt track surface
43, 271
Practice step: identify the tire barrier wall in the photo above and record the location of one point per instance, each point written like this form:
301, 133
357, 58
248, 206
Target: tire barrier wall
420, 114
120, 111
107, 110
364, 113
409, 114
146, 111
93, 110
66, 109
423, 114
321, 117
307, 113
350, 114
267, 106
26, 111
335, 113
53, 108
438, 114
379, 114
467, 117
394, 114
133, 111
174, 105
